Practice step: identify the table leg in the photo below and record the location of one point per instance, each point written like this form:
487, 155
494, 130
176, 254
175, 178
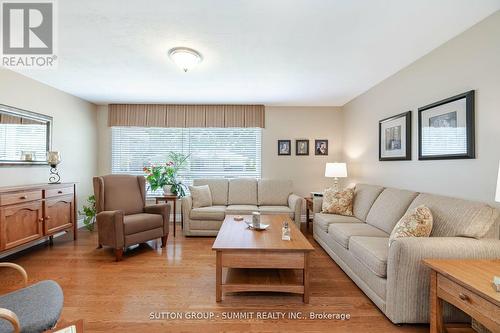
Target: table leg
307, 218
218, 277
175, 213
436, 307
306, 277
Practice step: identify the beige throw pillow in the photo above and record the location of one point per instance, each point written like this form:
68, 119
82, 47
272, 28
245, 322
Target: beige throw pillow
416, 223
202, 196
338, 202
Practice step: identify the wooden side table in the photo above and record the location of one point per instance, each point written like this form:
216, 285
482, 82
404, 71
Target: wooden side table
467, 285
309, 207
173, 199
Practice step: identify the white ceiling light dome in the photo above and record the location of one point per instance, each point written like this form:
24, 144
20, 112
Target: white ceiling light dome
185, 57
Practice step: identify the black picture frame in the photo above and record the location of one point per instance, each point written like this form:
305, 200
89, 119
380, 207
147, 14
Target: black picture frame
408, 136
297, 147
289, 142
470, 127
317, 150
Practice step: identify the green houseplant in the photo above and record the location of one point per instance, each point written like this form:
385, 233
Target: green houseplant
89, 213
165, 175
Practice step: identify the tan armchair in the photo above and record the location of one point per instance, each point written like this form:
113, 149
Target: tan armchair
123, 219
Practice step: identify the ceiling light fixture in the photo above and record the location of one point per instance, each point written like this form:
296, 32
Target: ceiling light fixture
184, 57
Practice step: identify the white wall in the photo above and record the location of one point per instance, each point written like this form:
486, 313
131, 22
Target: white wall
281, 123
74, 132
469, 61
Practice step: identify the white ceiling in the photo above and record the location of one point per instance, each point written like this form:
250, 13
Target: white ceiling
273, 52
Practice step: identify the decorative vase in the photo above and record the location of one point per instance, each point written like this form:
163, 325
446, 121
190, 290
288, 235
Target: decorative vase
167, 190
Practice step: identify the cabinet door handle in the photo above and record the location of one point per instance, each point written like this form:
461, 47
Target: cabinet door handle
463, 297
47, 217
40, 219
24, 197
59, 192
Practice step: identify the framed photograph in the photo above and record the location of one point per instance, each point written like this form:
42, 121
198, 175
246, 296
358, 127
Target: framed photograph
394, 138
446, 129
301, 147
284, 147
321, 147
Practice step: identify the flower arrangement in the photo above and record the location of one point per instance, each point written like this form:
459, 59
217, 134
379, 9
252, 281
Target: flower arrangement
165, 175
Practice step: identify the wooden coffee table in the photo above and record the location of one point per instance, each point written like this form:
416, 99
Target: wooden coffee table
260, 260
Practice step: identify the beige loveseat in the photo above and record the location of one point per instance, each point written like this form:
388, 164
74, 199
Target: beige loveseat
394, 277
239, 196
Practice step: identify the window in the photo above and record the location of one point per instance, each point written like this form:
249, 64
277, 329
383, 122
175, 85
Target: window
214, 152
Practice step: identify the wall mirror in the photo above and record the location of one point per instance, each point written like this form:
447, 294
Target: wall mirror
25, 137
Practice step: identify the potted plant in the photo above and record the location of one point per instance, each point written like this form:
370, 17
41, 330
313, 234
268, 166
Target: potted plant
89, 213
165, 175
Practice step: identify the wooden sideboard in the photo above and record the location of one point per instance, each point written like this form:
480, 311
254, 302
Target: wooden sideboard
33, 212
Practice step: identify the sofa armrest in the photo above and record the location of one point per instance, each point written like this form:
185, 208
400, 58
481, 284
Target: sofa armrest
17, 268
295, 203
163, 210
187, 205
11, 317
407, 298
317, 204
110, 228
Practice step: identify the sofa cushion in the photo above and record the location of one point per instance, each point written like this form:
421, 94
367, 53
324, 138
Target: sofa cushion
372, 252
141, 222
202, 197
342, 232
218, 187
274, 192
364, 197
37, 307
242, 191
323, 220
457, 217
241, 209
216, 213
389, 207
272, 210
416, 223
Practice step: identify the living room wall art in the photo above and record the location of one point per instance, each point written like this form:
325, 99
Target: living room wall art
321, 147
394, 135
301, 147
284, 147
446, 129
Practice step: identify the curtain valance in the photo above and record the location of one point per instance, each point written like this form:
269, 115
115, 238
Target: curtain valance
188, 115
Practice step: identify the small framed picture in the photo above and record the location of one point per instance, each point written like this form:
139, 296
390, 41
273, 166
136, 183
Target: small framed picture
284, 147
394, 135
301, 147
321, 147
446, 129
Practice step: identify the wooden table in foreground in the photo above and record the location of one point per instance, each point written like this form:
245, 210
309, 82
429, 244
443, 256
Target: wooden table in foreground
260, 260
467, 285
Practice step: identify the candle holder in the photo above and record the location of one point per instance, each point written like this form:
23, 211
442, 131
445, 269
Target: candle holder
54, 158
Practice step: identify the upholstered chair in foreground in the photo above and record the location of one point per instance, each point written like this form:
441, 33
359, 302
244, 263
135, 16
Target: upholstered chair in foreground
30, 309
123, 219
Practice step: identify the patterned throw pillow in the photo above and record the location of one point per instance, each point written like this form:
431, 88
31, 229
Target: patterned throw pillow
338, 202
417, 223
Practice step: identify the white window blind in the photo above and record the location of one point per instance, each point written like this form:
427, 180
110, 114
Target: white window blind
213, 152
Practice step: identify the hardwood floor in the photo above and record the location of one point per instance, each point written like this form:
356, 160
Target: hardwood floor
121, 296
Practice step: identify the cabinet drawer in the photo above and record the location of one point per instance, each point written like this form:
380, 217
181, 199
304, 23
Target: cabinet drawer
20, 197
469, 302
54, 192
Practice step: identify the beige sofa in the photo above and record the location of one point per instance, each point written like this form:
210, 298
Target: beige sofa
394, 277
239, 196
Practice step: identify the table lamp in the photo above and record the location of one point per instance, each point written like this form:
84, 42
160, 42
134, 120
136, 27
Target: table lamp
53, 159
497, 196
336, 171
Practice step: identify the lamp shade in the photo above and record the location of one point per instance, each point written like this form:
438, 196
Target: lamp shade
337, 170
497, 197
